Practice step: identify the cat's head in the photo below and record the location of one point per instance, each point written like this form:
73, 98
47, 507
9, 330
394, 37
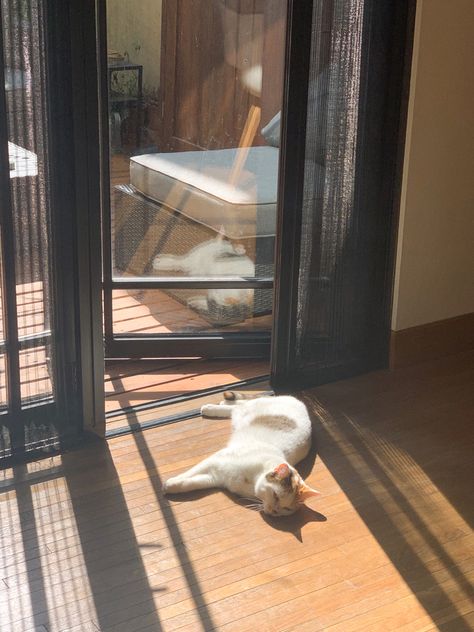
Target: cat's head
225, 247
282, 491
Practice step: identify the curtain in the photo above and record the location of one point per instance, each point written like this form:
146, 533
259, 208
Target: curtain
28, 366
357, 68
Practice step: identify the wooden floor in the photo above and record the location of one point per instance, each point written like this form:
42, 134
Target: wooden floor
89, 542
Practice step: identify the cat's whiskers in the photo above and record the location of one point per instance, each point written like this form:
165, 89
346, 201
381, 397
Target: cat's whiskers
252, 503
255, 504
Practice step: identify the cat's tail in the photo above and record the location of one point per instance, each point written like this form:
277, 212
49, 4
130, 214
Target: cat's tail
232, 396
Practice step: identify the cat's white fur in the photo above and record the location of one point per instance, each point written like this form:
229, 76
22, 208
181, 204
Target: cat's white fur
269, 436
215, 257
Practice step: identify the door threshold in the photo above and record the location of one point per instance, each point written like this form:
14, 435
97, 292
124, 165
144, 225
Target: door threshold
173, 409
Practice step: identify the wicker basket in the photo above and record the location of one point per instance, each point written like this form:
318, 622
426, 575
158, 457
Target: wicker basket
142, 228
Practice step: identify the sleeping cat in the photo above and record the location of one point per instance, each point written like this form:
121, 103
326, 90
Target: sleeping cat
269, 436
213, 258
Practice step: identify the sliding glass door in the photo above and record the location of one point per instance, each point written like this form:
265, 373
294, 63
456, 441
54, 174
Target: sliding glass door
191, 100
223, 126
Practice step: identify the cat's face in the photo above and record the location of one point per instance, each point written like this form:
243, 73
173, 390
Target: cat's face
282, 491
223, 247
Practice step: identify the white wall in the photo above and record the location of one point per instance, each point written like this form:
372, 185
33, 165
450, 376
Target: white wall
435, 258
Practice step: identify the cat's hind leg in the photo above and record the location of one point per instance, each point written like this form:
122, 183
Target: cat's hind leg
198, 477
198, 303
169, 262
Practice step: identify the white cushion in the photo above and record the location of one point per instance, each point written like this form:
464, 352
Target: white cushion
207, 187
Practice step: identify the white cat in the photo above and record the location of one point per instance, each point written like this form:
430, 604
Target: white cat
269, 436
213, 258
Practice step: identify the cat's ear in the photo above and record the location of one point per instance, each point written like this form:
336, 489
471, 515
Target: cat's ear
280, 473
305, 492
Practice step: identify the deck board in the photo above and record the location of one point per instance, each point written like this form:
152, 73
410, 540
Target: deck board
90, 543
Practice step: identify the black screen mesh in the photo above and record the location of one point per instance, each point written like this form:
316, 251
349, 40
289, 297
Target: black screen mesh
352, 145
27, 221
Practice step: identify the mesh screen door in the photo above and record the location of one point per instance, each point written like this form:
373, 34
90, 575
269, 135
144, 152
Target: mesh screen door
345, 99
31, 335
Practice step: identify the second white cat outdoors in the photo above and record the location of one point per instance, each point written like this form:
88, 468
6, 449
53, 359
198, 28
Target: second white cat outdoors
269, 436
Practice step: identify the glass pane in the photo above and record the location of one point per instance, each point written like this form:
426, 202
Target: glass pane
5, 446
25, 71
2, 297
35, 374
31, 309
3, 335
195, 92
3, 381
190, 311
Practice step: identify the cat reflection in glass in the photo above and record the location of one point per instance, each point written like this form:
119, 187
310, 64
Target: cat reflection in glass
216, 257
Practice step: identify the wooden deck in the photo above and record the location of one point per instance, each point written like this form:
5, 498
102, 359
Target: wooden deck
89, 542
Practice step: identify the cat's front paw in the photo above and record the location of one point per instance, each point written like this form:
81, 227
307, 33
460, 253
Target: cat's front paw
172, 485
208, 410
157, 263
